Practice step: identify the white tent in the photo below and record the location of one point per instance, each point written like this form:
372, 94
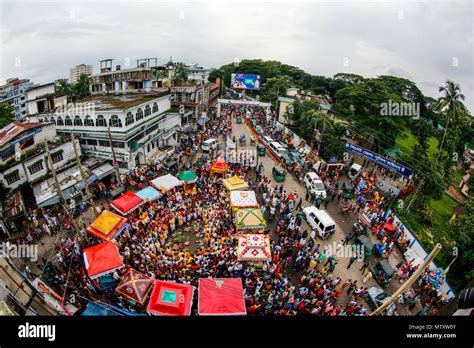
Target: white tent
166, 182
243, 199
230, 144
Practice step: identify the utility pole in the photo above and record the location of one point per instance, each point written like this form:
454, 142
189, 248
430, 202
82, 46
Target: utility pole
410, 281
117, 173
58, 188
322, 132
83, 176
314, 134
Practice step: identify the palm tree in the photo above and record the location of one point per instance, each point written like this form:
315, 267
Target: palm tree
180, 73
451, 103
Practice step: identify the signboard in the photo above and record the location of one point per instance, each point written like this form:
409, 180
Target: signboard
245, 81
380, 160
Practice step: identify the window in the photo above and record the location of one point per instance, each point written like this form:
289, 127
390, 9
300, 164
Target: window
155, 107
36, 167
57, 157
92, 142
115, 121
77, 121
60, 121
104, 143
12, 177
101, 121
88, 122
147, 111
52, 120
139, 115
129, 119
67, 121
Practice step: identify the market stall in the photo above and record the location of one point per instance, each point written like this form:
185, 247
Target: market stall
254, 247
135, 286
127, 203
166, 182
102, 259
250, 219
219, 166
107, 225
235, 183
169, 298
189, 178
148, 194
243, 199
221, 296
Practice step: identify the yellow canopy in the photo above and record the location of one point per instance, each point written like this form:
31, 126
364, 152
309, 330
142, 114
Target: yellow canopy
235, 183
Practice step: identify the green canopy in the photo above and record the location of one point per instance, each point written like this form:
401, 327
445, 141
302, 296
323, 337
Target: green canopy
187, 176
393, 152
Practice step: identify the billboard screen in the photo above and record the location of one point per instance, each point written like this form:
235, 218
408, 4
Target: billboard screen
245, 81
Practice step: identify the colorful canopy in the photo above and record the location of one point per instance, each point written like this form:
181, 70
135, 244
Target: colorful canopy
243, 199
166, 182
102, 259
219, 166
221, 296
249, 218
169, 298
235, 183
127, 202
148, 194
389, 227
254, 247
107, 225
135, 286
188, 176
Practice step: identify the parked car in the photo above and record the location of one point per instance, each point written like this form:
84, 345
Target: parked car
375, 297
320, 221
383, 272
279, 174
296, 157
315, 184
354, 171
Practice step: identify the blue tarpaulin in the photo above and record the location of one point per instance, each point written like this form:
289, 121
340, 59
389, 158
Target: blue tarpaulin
106, 309
148, 194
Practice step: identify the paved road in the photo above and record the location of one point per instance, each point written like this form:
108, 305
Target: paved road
344, 222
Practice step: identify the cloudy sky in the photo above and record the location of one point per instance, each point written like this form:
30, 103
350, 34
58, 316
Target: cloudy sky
425, 41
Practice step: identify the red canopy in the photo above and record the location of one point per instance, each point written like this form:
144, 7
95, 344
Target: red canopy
126, 202
169, 298
102, 259
221, 296
389, 227
135, 286
219, 166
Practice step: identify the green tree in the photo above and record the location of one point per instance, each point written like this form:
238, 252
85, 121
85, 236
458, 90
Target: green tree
462, 232
80, 89
456, 116
6, 114
180, 74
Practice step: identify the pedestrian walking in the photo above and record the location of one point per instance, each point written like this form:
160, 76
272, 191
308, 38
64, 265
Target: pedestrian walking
351, 261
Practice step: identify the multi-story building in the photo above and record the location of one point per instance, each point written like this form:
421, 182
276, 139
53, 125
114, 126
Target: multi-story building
138, 125
43, 99
146, 77
291, 95
78, 70
198, 73
23, 155
14, 94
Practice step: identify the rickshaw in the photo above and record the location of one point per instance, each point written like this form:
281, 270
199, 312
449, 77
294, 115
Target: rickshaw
278, 174
239, 120
383, 272
252, 140
261, 150
348, 190
243, 140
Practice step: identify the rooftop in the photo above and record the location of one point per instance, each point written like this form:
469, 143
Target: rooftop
123, 101
10, 132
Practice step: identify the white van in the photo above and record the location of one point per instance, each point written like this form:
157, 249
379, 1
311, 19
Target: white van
277, 148
320, 221
268, 139
315, 184
209, 144
354, 171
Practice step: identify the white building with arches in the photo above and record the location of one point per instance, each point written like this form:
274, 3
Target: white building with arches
139, 125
